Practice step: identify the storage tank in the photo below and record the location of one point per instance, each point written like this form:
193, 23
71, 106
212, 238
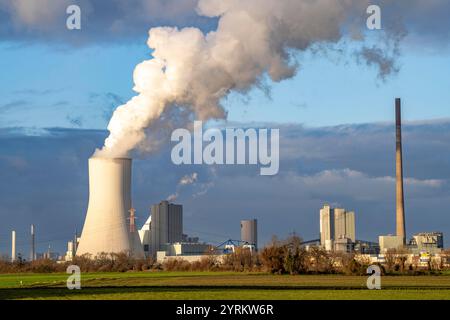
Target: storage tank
106, 226
249, 232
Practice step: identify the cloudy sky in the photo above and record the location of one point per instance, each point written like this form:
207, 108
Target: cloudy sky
59, 89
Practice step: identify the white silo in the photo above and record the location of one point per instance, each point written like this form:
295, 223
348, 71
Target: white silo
249, 232
106, 227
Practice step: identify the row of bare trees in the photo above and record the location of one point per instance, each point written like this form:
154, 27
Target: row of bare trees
278, 257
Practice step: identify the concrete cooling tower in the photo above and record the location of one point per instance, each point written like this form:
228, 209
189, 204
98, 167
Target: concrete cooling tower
106, 226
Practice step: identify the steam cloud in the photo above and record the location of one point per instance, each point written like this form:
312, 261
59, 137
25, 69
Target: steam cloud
184, 181
193, 71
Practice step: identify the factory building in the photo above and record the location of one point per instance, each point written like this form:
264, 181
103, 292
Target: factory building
166, 225
337, 229
390, 242
326, 227
431, 242
162, 235
249, 232
70, 253
184, 250
144, 236
350, 231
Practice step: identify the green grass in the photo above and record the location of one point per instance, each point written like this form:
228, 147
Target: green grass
219, 285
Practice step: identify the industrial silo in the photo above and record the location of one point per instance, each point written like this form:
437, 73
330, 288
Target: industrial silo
106, 226
249, 232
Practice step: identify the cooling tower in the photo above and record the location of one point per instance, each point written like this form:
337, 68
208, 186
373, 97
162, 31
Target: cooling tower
106, 226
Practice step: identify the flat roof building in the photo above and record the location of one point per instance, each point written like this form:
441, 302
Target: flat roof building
336, 224
166, 225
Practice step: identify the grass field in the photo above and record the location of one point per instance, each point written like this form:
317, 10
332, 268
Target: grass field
220, 285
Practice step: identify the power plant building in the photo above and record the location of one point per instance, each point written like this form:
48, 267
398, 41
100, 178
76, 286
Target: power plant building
431, 242
350, 229
339, 223
326, 226
144, 235
166, 225
390, 242
337, 228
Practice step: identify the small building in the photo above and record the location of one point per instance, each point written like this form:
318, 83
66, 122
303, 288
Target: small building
187, 251
343, 245
390, 242
187, 248
70, 253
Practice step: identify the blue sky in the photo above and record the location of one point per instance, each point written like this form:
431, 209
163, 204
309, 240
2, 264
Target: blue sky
48, 86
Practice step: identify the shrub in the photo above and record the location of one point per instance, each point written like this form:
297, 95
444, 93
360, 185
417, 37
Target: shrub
242, 259
273, 258
176, 264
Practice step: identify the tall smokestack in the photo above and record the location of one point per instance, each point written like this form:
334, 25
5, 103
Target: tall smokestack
13, 246
106, 228
33, 251
399, 172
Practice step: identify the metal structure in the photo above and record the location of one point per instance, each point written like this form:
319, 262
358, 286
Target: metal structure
132, 219
105, 228
229, 246
400, 210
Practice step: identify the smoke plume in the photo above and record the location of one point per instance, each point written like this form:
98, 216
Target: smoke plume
193, 71
184, 181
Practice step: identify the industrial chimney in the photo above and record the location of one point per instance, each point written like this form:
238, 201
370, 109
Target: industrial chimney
106, 228
33, 248
399, 172
13, 246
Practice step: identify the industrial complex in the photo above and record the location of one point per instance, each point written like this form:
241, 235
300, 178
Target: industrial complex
110, 224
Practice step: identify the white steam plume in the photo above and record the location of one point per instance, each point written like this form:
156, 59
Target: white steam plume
194, 71
184, 181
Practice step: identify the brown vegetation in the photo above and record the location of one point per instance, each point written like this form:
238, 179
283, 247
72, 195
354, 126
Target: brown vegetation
278, 257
